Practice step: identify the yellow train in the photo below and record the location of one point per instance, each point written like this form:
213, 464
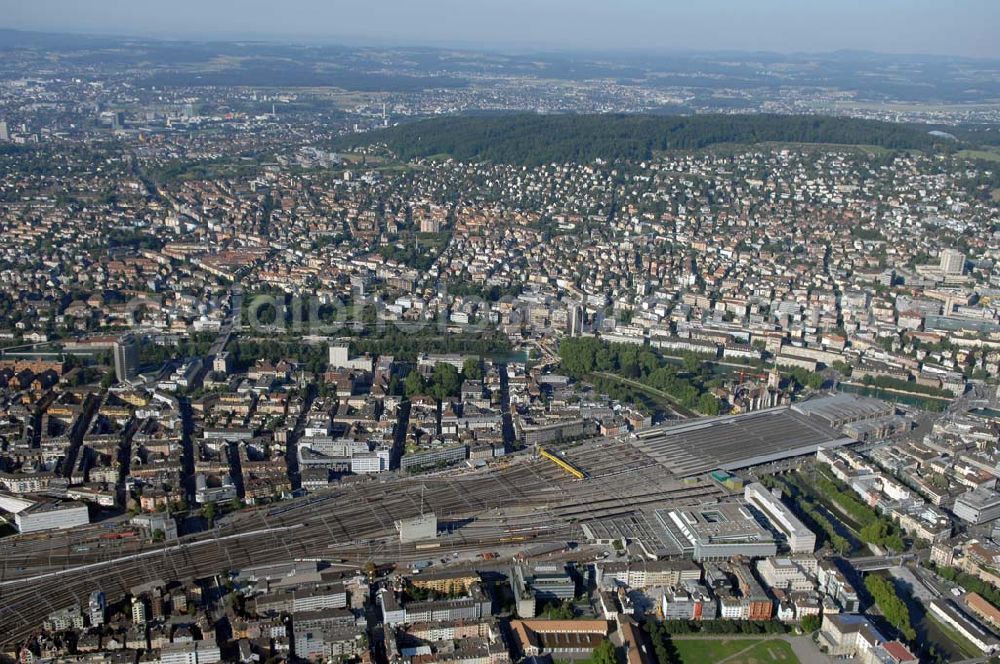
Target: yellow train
562, 463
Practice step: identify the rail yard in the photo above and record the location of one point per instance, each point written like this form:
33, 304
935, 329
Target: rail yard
531, 501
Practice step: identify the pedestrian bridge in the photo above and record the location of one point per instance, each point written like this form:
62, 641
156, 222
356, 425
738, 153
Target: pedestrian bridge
876, 563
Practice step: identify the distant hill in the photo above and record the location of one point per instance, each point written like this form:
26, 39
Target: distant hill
536, 139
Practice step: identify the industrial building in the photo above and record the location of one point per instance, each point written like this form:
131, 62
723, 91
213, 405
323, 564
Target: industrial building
860, 418
733, 442
718, 531
799, 538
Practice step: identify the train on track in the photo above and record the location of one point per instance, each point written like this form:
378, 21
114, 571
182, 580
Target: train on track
562, 463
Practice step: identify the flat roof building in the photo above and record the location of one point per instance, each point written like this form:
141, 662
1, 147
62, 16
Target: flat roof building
51, 516
732, 442
952, 615
126, 357
646, 573
418, 528
951, 262
194, 652
800, 539
433, 457
718, 531
542, 583
977, 506
838, 410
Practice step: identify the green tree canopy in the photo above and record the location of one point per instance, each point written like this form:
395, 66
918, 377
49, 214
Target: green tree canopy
413, 384
708, 404
890, 604
472, 368
445, 382
604, 653
810, 623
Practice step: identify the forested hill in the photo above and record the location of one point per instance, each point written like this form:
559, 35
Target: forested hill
535, 139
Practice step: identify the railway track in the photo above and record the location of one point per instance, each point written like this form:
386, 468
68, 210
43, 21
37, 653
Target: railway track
523, 504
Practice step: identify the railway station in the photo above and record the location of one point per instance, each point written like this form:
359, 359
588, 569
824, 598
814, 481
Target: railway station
733, 442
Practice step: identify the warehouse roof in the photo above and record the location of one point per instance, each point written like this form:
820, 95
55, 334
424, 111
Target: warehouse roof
838, 409
737, 441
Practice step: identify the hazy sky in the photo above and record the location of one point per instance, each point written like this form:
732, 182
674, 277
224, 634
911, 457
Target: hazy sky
958, 27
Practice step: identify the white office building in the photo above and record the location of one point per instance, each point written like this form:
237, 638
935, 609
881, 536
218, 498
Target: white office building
370, 462
195, 652
800, 539
978, 506
952, 262
51, 516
